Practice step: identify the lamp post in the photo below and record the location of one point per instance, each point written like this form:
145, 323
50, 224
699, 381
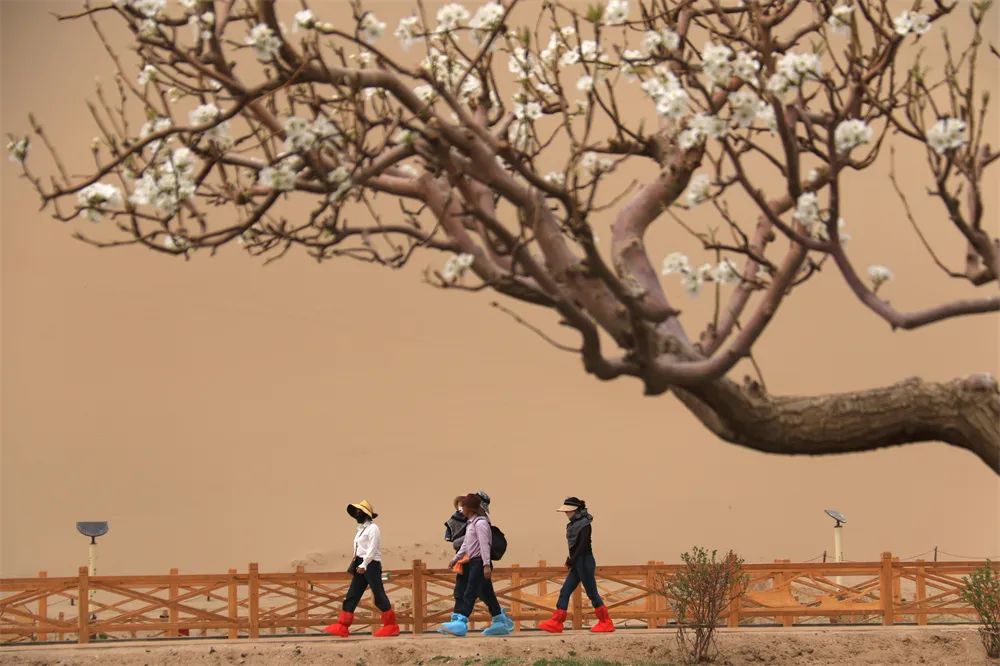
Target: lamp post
92, 529
838, 551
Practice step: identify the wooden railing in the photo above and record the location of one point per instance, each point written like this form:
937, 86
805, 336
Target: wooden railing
251, 603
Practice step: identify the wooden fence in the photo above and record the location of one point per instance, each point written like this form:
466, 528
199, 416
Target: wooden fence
251, 604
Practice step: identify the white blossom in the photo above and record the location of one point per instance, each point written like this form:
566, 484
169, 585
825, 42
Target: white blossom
585, 83
746, 66
555, 178
666, 38
571, 57
692, 280
715, 63
97, 198
840, 19
850, 134
698, 189
451, 16
425, 93
264, 42
519, 134
304, 20
792, 71
616, 12
807, 209
17, 150
175, 242
745, 106
701, 127
371, 28
281, 178
167, 184
487, 17
529, 111
879, 275
406, 30
820, 232
299, 135
147, 74
675, 262
520, 64
726, 272
148, 8
324, 130
456, 265
627, 66
946, 134
914, 22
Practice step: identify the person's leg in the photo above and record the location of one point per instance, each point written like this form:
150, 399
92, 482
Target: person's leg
359, 583
586, 568
354, 592
461, 582
500, 626
554, 624
459, 626
588, 575
489, 597
569, 585
373, 574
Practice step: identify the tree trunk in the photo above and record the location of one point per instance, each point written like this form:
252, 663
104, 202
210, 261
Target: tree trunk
962, 412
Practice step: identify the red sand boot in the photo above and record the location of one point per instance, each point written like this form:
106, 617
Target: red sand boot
389, 626
604, 623
554, 625
341, 627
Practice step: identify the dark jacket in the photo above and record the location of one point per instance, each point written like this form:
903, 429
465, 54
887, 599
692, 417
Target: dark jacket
578, 536
454, 529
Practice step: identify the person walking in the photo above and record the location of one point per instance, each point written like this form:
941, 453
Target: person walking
454, 532
366, 567
582, 569
474, 557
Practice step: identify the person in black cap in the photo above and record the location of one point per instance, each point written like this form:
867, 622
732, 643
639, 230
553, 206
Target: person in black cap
582, 569
366, 565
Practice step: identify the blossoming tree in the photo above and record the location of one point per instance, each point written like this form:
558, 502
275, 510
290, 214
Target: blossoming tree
456, 116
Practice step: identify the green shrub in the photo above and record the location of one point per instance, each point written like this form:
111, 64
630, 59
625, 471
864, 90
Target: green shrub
982, 592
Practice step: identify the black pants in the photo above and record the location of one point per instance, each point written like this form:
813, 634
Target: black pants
372, 577
477, 587
584, 570
486, 593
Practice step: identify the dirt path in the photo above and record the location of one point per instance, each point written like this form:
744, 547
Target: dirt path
941, 646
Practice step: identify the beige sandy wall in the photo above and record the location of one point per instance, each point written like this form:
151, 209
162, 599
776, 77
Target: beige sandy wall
218, 412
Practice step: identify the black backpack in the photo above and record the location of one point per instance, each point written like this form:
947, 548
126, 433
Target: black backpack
499, 546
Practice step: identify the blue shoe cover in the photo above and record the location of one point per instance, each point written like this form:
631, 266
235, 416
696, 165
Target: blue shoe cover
498, 628
457, 627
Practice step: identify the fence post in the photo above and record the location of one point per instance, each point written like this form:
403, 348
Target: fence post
543, 591
43, 608
578, 607
897, 588
83, 607
62, 618
253, 599
173, 632
515, 605
234, 630
885, 589
650, 600
921, 593
419, 597
300, 598
786, 620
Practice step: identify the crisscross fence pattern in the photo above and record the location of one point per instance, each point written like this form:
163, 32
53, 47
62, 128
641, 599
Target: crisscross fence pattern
236, 604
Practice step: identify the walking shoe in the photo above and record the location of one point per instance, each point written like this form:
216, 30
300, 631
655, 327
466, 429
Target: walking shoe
604, 623
554, 625
340, 628
454, 616
498, 628
389, 626
457, 627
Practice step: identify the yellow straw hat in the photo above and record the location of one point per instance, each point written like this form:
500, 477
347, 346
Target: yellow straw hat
363, 507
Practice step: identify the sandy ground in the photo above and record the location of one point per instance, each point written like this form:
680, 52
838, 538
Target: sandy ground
941, 646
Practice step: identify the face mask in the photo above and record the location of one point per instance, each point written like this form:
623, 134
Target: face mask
361, 518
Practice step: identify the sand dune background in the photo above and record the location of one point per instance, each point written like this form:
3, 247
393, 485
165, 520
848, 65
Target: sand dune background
219, 412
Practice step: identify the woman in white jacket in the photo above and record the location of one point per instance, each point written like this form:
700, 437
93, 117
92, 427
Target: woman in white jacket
366, 567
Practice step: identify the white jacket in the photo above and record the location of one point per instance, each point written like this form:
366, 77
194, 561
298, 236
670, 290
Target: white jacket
368, 543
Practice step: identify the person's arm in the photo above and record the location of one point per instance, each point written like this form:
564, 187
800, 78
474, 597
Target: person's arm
574, 552
485, 537
463, 550
374, 541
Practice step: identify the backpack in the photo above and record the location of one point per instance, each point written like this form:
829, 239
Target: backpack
499, 546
